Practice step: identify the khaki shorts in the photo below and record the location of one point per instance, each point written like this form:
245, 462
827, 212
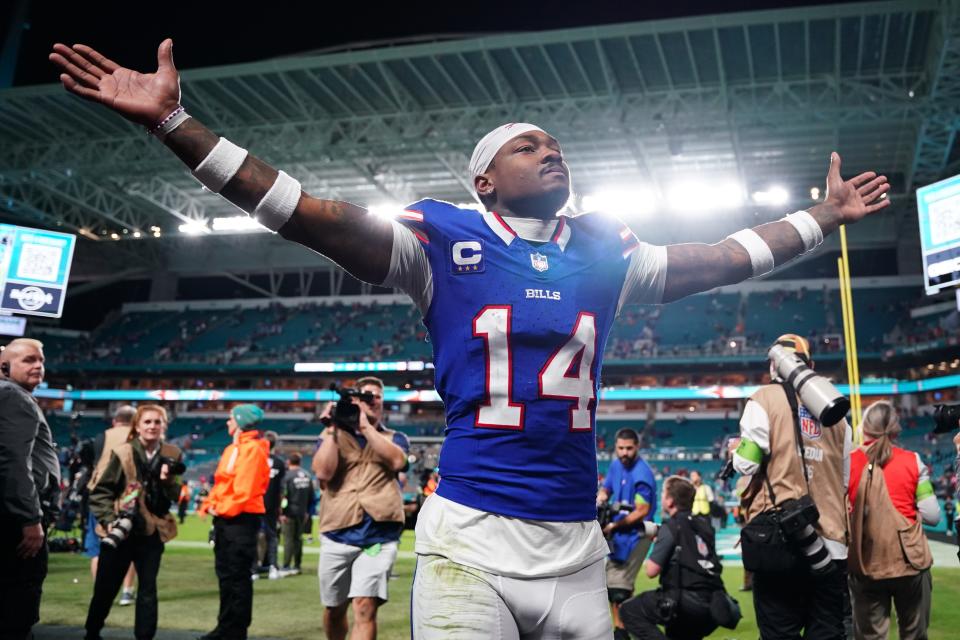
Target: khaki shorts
623, 575
348, 572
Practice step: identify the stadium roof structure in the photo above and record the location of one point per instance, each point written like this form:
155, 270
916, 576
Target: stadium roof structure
757, 98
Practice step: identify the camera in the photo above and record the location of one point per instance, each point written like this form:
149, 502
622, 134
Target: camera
946, 417
346, 414
797, 518
816, 392
119, 530
175, 467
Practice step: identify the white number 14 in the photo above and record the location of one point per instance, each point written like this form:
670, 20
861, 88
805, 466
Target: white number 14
567, 374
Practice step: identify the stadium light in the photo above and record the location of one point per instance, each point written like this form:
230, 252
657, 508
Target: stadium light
192, 228
625, 203
774, 195
697, 197
237, 223
385, 210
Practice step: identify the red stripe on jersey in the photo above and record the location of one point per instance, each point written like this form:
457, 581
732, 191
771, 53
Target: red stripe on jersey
421, 237
560, 226
504, 224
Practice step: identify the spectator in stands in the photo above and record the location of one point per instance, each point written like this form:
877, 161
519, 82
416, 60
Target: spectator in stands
131, 501
361, 515
629, 483
236, 502
267, 553
685, 558
30, 472
118, 433
788, 600
889, 554
298, 489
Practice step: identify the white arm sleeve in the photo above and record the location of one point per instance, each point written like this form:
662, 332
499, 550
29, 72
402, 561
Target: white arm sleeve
645, 277
929, 507
410, 268
754, 426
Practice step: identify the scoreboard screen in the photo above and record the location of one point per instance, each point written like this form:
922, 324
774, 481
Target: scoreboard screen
938, 208
34, 269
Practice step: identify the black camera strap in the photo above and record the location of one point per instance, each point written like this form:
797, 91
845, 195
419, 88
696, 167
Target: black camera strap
798, 436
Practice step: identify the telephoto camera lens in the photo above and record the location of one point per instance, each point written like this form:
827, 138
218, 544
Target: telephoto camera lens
118, 531
813, 548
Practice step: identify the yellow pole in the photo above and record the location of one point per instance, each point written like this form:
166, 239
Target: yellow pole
855, 399
841, 271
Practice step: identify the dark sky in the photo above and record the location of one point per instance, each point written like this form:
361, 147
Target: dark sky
208, 33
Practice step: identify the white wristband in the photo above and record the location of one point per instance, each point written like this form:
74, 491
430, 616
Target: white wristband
761, 258
167, 127
808, 228
279, 203
220, 165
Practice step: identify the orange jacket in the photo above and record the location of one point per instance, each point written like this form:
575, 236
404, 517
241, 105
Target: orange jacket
242, 477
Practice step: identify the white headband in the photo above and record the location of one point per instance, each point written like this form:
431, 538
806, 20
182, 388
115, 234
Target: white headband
488, 146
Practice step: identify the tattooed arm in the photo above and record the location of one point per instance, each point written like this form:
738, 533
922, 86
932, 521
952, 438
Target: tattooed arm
692, 268
345, 233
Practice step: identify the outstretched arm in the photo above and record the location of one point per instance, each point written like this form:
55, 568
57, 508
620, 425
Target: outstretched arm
345, 233
692, 268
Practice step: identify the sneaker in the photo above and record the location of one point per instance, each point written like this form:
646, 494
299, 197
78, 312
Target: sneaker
254, 576
274, 573
127, 598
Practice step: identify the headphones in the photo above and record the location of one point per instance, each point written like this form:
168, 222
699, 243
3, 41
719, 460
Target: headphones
5, 369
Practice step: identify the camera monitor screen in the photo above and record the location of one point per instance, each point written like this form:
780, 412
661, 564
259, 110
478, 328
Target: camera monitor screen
34, 269
938, 208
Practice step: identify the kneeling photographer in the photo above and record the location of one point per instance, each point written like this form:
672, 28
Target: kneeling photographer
691, 601
131, 502
795, 539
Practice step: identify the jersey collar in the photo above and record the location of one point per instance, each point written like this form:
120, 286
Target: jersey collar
561, 235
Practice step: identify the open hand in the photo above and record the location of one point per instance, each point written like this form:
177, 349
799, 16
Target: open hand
143, 98
855, 198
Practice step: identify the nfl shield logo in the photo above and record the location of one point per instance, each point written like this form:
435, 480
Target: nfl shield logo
539, 262
808, 424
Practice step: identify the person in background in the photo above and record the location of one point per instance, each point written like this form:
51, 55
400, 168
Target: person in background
298, 490
116, 434
949, 510
704, 498
891, 498
29, 490
267, 552
183, 501
236, 502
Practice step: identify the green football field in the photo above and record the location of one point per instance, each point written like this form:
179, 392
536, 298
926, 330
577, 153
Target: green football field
290, 608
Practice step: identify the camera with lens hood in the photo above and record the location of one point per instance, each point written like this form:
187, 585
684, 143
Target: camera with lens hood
946, 417
817, 393
128, 504
346, 413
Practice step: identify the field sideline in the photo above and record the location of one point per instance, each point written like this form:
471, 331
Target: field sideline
290, 608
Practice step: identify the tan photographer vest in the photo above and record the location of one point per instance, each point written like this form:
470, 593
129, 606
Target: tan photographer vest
884, 543
824, 457
166, 525
112, 438
362, 483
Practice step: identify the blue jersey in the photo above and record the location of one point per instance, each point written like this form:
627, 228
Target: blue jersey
634, 486
518, 332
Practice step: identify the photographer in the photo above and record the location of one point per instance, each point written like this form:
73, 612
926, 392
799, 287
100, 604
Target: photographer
117, 434
629, 483
236, 502
29, 488
131, 501
691, 600
795, 508
361, 511
891, 498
